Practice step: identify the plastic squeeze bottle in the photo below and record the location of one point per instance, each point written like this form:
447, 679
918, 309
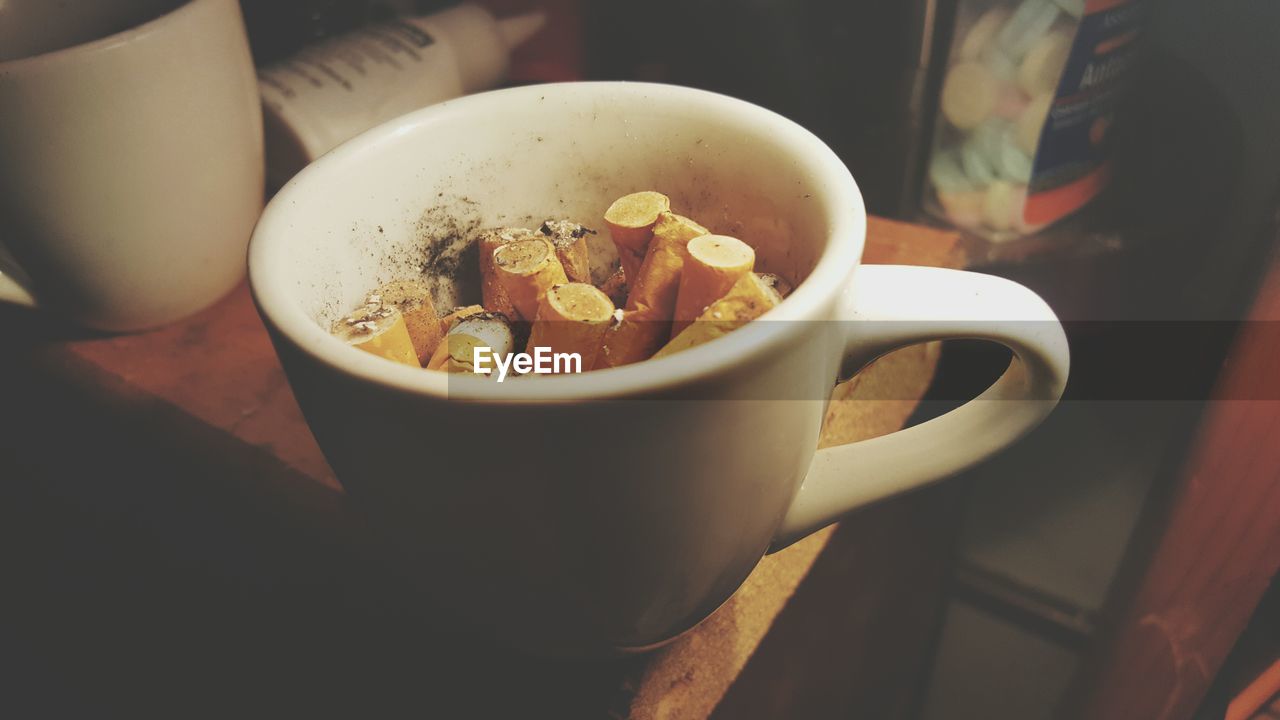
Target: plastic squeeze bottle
340, 87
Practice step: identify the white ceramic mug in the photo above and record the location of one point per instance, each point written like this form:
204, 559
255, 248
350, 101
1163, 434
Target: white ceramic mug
130, 157
613, 510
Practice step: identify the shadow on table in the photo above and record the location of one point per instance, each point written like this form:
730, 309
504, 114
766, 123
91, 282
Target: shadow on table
138, 582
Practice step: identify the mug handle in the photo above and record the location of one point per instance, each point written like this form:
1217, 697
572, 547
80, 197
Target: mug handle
12, 289
887, 307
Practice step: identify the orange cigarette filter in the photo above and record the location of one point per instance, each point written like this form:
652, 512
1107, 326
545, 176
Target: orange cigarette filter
658, 282
572, 319
378, 329
713, 265
494, 297
749, 298
413, 300
570, 241
631, 219
651, 304
528, 269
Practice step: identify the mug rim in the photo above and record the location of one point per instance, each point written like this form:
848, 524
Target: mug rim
107, 42
835, 190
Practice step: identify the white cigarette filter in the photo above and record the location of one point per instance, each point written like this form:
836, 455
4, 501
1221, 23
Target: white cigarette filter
630, 219
527, 269
713, 265
486, 329
570, 242
413, 300
378, 329
572, 319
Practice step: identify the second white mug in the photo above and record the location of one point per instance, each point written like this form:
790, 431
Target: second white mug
131, 164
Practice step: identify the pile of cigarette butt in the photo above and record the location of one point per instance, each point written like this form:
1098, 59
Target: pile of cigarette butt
677, 286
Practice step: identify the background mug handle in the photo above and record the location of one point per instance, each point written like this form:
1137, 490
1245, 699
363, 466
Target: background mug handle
887, 307
13, 288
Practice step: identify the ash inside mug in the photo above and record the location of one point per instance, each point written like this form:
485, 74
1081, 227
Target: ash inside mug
34, 27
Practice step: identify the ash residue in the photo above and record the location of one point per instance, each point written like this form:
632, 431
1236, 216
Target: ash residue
564, 232
449, 266
488, 315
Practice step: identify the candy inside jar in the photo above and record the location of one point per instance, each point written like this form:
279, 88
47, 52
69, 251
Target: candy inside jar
1015, 65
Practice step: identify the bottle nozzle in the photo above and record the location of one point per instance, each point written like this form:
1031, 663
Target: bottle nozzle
519, 28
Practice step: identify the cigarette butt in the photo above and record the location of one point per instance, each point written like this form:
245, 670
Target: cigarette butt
572, 319
615, 286
413, 300
658, 281
749, 298
777, 283
484, 329
630, 219
713, 265
629, 339
570, 241
528, 269
378, 329
651, 304
493, 295
456, 314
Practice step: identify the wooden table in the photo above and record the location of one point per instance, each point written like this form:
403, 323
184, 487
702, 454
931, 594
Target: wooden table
183, 547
